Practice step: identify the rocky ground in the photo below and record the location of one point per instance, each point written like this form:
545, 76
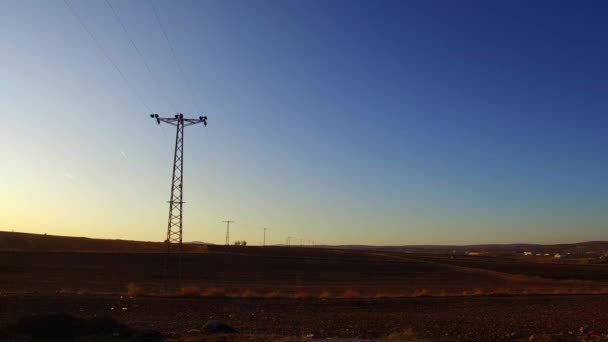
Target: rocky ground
508, 318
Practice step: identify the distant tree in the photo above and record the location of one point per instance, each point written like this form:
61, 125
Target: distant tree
240, 243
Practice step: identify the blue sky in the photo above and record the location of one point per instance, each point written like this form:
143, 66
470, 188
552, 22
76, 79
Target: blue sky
373, 122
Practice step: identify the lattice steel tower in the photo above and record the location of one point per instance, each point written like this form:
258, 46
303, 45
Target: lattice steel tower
174, 226
228, 222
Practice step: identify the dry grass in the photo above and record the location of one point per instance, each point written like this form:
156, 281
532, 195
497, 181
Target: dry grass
273, 294
402, 335
325, 294
63, 290
83, 292
134, 290
301, 294
478, 292
214, 292
351, 294
422, 293
190, 291
382, 295
246, 293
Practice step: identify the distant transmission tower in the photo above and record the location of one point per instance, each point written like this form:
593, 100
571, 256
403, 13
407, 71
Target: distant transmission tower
174, 227
228, 222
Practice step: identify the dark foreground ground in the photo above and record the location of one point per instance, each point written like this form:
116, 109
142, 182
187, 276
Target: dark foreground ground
445, 318
301, 293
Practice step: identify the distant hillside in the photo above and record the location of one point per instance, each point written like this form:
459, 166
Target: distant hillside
598, 247
11, 241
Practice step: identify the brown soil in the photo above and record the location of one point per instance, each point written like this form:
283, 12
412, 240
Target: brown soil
297, 292
446, 318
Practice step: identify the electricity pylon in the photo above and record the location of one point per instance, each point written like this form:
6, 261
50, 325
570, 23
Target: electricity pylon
264, 245
228, 222
174, 226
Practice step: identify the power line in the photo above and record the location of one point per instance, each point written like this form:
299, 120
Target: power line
179, 66
124, 28
141, 55
107, 56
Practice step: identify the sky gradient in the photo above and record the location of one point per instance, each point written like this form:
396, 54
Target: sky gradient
339, 122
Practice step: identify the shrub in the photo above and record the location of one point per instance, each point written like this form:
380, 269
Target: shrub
83, 292
300, 294
350, 294
134, 290
273, 294
422, 293
190, 291
214, 292
325, 294
247, 293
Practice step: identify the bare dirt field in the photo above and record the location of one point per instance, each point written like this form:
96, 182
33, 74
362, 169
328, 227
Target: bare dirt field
291, 272
436, 318
279, 292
